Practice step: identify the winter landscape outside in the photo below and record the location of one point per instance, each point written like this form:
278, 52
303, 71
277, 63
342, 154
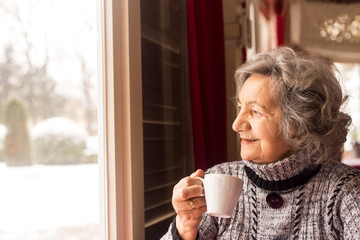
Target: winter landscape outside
48, 120
49, 174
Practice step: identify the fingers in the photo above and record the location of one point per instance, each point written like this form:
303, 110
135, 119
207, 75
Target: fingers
198, 173
194, 203
188, 188
184, 192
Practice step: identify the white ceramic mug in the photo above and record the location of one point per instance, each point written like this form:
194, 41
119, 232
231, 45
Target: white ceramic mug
222, 192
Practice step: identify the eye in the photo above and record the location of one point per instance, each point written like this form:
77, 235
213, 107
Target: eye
256, 113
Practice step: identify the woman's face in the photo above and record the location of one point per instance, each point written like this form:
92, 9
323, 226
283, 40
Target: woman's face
258, 123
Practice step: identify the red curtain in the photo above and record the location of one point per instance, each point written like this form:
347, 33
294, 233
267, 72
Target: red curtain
207, 81
280, 9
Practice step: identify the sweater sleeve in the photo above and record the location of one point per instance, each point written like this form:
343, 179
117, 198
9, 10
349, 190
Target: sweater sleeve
346, 221
350, 208
207, 230
172, 233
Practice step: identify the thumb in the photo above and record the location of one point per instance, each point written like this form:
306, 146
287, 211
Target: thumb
198, 173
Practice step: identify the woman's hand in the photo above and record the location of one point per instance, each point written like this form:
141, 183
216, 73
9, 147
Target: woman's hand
189, 205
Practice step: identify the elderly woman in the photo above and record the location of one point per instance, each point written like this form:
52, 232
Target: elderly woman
292, 133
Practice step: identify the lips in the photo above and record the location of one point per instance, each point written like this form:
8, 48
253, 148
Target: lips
248, 140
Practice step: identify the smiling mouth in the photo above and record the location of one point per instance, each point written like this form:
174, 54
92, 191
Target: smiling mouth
248, 140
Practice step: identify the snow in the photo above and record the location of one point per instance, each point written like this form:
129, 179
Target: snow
92, 146
58, 126
3, 131
39, 198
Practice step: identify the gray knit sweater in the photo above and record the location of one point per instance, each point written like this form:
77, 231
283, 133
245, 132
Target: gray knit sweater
320, 203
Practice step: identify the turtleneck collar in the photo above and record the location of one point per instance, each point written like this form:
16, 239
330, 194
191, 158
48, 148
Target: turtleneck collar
283, 169
285, 174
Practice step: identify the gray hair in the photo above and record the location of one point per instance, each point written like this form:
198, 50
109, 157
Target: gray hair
310, 97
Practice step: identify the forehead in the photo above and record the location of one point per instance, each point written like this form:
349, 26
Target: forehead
257, 89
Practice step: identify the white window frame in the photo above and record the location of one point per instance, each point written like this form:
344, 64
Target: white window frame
120, 120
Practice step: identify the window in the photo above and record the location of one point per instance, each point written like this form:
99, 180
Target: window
48, 130
121, 184
166, 119
61, 191
350, 74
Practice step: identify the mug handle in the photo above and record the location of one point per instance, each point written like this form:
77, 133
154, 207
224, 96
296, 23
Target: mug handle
202, 180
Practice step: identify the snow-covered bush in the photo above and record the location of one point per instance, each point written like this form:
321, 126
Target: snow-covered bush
17, 143
3, 131
58, 140
92, 149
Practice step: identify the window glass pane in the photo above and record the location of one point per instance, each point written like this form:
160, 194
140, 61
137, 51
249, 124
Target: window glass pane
166, 118
48, 125
351, 83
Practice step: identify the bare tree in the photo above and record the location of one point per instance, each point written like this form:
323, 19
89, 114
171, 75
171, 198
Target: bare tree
27, 81
90, 107
29, 78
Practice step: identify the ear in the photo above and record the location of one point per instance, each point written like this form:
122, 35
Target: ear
293, 131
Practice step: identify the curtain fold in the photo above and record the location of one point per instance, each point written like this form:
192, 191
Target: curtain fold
280, 9
207, 81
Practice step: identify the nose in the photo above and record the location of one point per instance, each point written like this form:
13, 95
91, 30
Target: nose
240, 123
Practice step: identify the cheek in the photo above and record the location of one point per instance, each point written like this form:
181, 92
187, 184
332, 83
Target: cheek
271, 139
266, 131
271, 129
275, 146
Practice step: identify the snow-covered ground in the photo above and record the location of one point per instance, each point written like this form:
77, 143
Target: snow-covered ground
49, 202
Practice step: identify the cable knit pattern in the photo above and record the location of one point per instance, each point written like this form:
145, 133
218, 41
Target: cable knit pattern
297, 217
326, 207
254, 212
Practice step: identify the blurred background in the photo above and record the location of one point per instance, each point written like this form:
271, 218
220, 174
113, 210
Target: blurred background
49, 99
48, 120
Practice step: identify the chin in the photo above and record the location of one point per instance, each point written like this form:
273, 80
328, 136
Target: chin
256, 160
259, 161
250, 159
